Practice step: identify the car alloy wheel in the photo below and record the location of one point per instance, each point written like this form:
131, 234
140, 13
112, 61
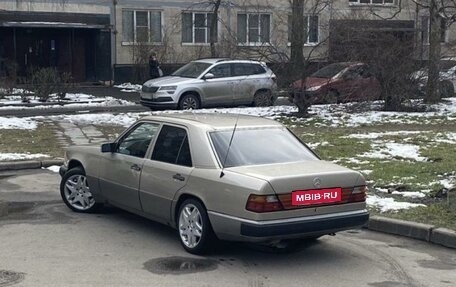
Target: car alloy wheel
189, 102
195, 230
262, 99
190, 226
75, 191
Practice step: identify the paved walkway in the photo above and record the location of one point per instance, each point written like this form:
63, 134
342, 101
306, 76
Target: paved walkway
71, 134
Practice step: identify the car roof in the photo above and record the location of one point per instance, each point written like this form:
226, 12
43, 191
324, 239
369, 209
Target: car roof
347, 64
225, 60
214, 121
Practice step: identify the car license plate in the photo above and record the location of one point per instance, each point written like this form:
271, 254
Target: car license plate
316, 196
147, 96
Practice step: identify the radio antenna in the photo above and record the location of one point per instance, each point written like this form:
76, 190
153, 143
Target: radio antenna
229, 146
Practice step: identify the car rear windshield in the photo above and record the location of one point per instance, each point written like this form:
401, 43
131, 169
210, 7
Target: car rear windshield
329, 71
259, 146
191, 70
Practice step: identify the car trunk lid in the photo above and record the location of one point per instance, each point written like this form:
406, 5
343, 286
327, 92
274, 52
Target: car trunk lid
306, 176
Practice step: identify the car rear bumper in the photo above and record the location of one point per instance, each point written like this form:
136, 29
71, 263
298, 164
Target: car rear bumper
238, 229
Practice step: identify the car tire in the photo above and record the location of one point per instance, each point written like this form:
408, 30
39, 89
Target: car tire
194, 228
189, 101
75, 191
262, 99
446, 89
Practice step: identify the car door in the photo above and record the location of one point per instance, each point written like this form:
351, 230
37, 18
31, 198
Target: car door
219, 89
246, 81
348, 87
369, 86
120, 170
166, 172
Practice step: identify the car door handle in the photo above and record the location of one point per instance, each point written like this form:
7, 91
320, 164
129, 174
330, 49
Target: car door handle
178, 177
135, 167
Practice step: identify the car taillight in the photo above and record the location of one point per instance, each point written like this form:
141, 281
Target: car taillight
263, 203
359, 194
274, 79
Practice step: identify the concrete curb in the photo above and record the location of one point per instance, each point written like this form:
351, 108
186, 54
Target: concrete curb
31, 164
420, 231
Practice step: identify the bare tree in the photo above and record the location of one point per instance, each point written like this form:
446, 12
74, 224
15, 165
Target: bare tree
297, 39
213, 27
440, 11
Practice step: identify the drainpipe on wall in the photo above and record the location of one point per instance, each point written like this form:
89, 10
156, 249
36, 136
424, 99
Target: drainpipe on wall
113, 38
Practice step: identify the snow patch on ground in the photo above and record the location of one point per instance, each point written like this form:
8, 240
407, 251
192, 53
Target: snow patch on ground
448, 183
9, 123
409, 194
379, 135
392, 150
273, 112
315, 145
449, 138
339, 115
389, 204
129, 87
20, 156
53, 168
76, 100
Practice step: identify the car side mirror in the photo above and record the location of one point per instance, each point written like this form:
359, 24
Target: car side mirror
108, 147
208, 76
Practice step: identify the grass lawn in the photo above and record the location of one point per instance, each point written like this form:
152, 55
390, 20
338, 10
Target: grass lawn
42, 140
395, 173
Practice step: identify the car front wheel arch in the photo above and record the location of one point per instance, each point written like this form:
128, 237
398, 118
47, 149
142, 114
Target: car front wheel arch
75, 163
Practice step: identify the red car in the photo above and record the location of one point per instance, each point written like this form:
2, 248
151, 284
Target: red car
339, 83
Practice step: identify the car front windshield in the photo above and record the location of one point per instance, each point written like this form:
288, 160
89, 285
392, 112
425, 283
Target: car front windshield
329, 71
191, 70
257, 146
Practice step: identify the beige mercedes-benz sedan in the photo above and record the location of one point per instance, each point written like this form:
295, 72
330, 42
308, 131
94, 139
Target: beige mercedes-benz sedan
216, 176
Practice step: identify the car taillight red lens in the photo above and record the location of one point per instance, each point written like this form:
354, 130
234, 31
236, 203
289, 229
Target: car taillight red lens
263, 203
358, 194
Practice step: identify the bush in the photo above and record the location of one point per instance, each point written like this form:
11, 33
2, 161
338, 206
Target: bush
47, 81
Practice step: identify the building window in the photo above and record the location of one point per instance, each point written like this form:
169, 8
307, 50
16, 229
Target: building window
373, 2
253, 28
196, 27
310, 29
142, 26
426, 28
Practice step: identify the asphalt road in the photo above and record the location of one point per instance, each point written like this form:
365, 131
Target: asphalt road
43, 243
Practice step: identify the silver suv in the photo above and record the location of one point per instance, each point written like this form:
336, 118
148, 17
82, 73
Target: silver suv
212, 82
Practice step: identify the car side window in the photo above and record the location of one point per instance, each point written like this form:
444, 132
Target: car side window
240, 70
172, 146
244, 69
352, 74
257, 69
221, 71
137, 141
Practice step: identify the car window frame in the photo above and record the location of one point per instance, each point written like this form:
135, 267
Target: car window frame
128, 131
151, 150
217, 65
